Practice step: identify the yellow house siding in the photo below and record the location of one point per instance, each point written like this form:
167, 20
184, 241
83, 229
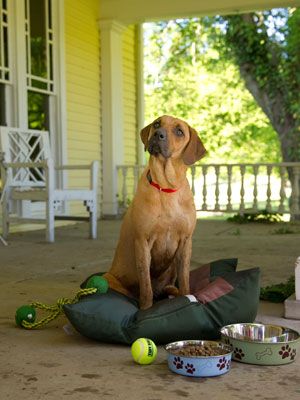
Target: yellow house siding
129, 95
82, 63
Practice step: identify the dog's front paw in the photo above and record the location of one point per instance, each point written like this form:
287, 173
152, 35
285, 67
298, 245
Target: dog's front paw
144, 304
171, 290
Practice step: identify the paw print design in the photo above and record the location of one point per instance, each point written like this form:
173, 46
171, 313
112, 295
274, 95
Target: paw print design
293, 354
178, 363
227, 342
238, 353
222, 363
190, 368
228, 364
285, 351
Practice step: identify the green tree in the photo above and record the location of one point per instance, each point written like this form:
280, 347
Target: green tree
266, 48
190, 78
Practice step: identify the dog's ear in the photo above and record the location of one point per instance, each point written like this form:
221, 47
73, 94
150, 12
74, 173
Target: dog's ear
145, 135
194, 150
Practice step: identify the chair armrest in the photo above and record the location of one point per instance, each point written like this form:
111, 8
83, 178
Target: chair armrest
40, 164
93, 167
94, 175
70, 167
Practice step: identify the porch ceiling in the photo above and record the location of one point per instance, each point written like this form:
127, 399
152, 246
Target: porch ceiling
136, 11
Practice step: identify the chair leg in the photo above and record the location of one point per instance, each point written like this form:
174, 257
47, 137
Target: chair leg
50, 221
5, 219
91, 206
93, 224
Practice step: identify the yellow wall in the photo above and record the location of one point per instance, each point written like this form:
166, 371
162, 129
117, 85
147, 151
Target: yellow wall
82, 59
83, 96
129, 95
129, 106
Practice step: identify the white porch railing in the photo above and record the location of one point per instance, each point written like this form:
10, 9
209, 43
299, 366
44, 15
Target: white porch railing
231, 188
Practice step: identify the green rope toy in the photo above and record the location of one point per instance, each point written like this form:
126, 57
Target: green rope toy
26, 314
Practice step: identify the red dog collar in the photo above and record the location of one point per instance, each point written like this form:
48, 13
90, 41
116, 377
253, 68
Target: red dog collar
156, 185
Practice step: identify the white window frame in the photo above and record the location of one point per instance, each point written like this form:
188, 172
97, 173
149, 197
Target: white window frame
9, 107
16, 90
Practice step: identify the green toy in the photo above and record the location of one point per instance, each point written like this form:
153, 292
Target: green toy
26, 314
98, 282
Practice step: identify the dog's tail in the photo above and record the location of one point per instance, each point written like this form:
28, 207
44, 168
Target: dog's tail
116, 285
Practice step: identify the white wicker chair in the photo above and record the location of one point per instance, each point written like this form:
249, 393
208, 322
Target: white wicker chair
28, 173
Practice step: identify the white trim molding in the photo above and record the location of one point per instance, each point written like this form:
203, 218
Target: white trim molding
60, 74
21, 80
112, 110
140, 93
137, 11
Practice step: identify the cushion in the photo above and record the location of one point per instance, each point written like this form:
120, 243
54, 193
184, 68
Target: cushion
220, 295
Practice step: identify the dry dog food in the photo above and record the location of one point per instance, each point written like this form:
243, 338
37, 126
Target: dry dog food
199, 351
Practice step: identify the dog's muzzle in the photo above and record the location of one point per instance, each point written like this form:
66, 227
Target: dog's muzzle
158, 143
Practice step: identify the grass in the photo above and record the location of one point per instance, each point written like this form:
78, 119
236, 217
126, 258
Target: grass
279, 292
260, 217
283, 231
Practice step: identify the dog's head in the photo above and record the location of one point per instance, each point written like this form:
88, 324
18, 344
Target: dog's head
171, 137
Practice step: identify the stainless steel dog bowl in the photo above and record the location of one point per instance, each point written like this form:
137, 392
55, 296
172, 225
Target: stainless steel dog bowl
261, 344
199, 366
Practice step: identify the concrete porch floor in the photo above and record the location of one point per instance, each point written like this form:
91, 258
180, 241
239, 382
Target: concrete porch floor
51, 364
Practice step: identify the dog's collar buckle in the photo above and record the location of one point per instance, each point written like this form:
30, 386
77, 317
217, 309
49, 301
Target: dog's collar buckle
157, 186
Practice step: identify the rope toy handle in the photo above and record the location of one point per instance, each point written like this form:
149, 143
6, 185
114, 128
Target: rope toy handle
25, 315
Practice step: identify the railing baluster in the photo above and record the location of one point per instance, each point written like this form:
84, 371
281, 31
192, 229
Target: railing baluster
135, 178
204, 190
229, 190
282, 194
140, 170
255, 192
269, 191
193, 179
217, 190
124, 186
242, 191
295, 191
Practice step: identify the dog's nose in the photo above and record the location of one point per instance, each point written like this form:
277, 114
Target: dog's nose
160, 134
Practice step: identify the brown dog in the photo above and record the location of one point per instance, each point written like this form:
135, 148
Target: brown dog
155, 243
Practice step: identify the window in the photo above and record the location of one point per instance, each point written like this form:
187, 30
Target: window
4, 60
31, 84
2, 105
4, 53
38, 110
39, 45
39, 61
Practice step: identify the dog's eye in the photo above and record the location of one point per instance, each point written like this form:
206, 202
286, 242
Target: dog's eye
156, 125
179, 132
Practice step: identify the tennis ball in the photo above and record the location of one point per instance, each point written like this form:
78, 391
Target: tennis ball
99, 283
25, 313
144, 351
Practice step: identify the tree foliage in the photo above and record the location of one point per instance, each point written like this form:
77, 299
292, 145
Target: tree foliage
200, 70
266, 48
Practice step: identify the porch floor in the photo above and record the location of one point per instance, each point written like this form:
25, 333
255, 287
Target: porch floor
51, 364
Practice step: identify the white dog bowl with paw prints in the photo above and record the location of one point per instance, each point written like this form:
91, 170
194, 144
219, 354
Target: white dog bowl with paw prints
199, 358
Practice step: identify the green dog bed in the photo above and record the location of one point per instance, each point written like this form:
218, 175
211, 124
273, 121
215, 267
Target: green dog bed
220, 295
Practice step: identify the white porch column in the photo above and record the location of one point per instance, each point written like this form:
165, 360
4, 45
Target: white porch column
140, 94
112, 110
